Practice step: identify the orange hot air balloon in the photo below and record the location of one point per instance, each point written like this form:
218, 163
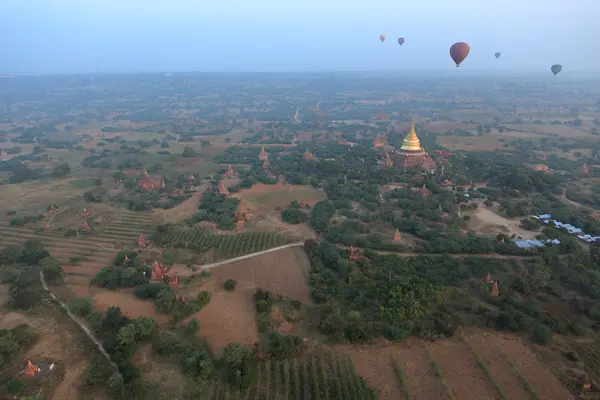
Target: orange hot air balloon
401, 41
382, 38
459, 51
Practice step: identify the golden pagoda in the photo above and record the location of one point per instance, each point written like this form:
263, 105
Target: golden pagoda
411, 155
411, 141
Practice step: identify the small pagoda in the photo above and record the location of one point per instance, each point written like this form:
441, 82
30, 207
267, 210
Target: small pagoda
586, 385
3, 155
31, 370
379, 141
191, 178
281, 179
85, 227
147, 182
495, 291
386, 162
266, 164
308, 155
424, 192
230, 173
396, 235
353, 253
181, 299
382, 117
126, 260
52, 209
263, 156
240, 219
142, 241
84, 213
223, 190
585, 168
488, 278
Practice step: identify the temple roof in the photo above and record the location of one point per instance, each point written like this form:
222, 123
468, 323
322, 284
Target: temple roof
411, 141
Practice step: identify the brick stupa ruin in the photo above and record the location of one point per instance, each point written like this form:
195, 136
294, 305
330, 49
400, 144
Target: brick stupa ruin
147, 182
161, 275
31, 369
142, 241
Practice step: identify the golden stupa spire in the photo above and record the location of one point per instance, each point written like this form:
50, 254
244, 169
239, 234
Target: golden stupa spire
411, 141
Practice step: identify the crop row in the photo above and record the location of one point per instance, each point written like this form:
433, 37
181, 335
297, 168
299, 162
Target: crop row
224, 245
323, 377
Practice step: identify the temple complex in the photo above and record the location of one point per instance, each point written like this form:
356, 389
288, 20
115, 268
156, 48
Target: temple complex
396, 235
411, 155
147, 182
84, 213
31, 369
161, 275
142, 241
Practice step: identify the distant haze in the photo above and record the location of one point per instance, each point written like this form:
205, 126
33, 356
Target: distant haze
73, 36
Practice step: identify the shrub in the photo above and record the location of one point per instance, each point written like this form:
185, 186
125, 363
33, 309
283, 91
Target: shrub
81, 306
203, 298
229, 285
14, 387
541, 334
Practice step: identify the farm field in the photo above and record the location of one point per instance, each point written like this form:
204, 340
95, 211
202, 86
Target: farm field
231, 316
267, 197
488, 142
260, 203
83, 257
472, 369
560, 130
443, 127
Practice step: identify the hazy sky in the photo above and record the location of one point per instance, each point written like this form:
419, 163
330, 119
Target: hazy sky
56, 36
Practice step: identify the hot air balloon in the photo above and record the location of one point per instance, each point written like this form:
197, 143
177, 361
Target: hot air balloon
497, 55
401, 41
459, 51
556, 68
382, 38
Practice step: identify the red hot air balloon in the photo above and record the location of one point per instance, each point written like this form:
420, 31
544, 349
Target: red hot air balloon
401, 41
382, 38
459, 51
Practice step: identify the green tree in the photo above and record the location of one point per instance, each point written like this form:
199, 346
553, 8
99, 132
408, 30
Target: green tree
189, 152
144, 326
127, 335
229, 285
294, 216
541, 334
164, 300
81, 306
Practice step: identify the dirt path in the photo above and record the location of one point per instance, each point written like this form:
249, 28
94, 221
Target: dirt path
77, 321
259, 253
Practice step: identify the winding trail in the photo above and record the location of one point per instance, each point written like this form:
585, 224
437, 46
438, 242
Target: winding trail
81, 324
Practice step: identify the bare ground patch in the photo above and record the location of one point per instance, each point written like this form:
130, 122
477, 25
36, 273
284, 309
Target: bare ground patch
130, 306
487, 222
229, 317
